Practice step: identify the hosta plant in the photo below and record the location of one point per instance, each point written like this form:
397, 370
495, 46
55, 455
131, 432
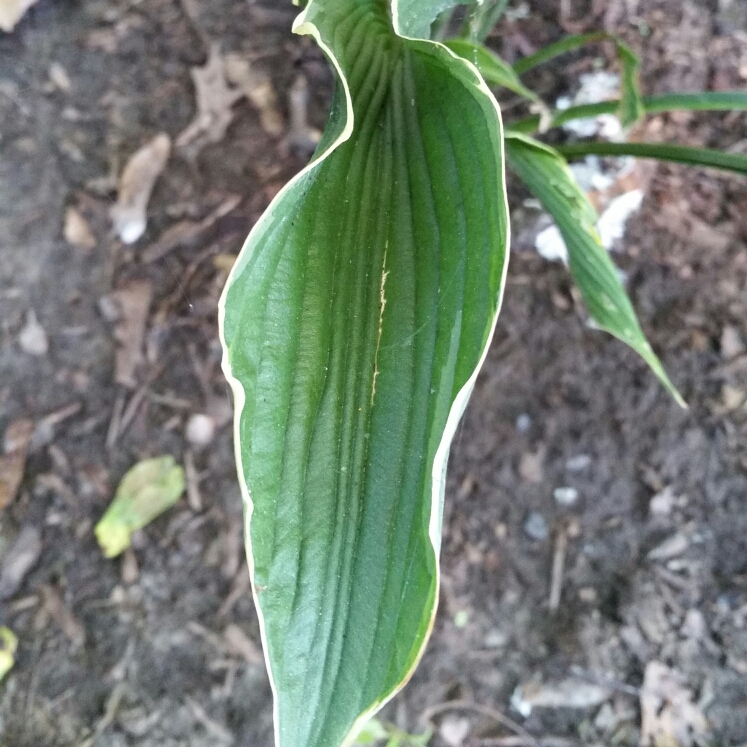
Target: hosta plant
354, 324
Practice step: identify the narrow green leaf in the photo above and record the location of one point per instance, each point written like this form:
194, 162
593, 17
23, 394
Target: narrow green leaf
631, 104
701, 102
354, 323
631, 107
491, 66
548, 177
704, 101
661, 151
551, 51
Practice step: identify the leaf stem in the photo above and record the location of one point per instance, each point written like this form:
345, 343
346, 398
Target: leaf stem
716, 159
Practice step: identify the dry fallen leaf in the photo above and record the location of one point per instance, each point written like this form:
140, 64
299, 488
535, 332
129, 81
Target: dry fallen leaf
214, 105
77, 232
132, 303
669, 715
11, 12
240, 644
7, 650
568, 693
135, 186
146, 491
13, 463
18, 561
257, 87
67, 622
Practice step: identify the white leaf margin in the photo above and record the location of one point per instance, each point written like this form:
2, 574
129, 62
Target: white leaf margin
304, 25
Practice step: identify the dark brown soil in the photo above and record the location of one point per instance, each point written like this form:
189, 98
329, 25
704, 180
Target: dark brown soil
117, 653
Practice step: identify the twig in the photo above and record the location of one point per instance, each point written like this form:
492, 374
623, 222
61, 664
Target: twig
58, 416
497, 716
517, 741
136, 400
113, 432
193, 482
241, 586
110, 712
558, 565
212, 727
185, 232
605, 681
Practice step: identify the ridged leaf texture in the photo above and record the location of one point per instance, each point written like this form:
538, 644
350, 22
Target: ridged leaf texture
354, 323
547, 176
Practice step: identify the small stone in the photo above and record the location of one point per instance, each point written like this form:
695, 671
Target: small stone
606, 720
59, 77
536, 527
461, 618
662, 503
732, 397
33, 339
454, 730
200, 429
731, 343
109, 309
670, 548
531, 466
523, 423
495, 639
77, 232
565, 496
578, 463
695, 625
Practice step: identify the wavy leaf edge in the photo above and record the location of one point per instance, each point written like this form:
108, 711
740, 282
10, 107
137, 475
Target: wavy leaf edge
304, 25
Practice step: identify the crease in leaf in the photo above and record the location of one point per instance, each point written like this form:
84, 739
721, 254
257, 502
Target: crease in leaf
384, 259
548, 177
492, 68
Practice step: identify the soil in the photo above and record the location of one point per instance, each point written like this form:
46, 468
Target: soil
160, 647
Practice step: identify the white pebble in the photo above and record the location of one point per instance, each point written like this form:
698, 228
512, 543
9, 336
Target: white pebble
536, 527
523, 423
200, 429
33, 339
578, 463
565, 496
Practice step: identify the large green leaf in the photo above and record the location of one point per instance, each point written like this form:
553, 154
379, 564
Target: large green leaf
548, 177
492, 68
413, 18
354, 323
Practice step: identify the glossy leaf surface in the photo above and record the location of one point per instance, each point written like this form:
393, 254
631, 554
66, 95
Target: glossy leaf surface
354, 322
492, 68
548, 177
